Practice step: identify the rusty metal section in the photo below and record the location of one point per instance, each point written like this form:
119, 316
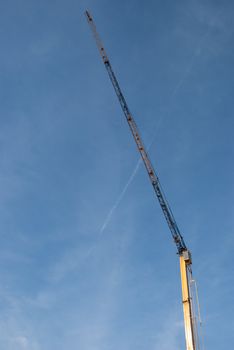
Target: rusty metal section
96, 37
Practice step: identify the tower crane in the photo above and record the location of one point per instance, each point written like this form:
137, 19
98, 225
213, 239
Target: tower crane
191, 336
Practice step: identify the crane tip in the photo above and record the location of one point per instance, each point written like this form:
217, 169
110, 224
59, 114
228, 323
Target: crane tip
88, 15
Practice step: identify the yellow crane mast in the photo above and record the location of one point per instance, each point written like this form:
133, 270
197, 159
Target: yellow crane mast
184, 254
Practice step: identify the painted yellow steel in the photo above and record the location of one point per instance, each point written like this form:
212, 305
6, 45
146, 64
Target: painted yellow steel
186, 299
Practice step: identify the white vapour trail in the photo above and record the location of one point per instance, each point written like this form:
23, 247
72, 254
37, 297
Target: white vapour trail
71, 261
191, 63
183, 78
111, 212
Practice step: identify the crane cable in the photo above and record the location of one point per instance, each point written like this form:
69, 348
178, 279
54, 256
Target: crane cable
196, 312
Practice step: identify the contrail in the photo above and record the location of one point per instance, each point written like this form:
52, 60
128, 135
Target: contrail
183, 78
111, 212
191, 63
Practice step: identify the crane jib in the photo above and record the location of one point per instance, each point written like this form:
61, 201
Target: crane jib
153, 177
177, 237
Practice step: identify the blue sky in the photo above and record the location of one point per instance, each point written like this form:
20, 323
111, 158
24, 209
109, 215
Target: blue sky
86, 258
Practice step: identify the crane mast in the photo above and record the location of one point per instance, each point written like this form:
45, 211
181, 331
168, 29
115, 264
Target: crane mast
183, 252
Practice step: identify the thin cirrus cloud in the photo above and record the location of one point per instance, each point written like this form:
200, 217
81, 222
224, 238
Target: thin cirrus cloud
81, 266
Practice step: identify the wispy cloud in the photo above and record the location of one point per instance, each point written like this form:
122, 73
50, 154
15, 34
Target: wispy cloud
16, 331
170, 333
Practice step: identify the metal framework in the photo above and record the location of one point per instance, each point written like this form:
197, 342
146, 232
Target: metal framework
185, 257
